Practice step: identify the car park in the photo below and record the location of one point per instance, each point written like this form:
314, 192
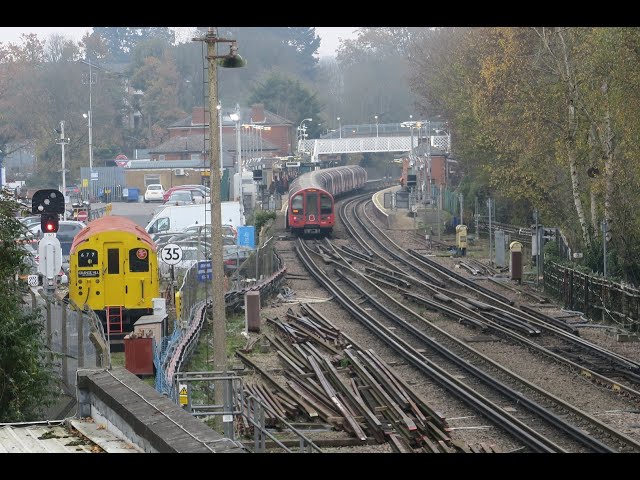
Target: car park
234, 255
184, 197
154, 193
30, 221
203, 233
191, 254
204, 192
67, 230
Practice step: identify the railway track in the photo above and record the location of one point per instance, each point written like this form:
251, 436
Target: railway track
560, 342
390, 276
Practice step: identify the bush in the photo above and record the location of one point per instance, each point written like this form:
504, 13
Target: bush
260, 218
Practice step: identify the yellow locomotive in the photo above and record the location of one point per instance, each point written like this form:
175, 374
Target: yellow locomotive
113, 269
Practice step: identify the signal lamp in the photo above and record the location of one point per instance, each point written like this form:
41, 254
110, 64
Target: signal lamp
49, 222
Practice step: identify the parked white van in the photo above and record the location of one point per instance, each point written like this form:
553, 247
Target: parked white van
174, 219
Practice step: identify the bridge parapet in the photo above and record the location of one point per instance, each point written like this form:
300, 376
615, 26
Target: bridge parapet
335, 146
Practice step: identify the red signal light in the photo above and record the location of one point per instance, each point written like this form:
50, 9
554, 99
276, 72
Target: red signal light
49, 222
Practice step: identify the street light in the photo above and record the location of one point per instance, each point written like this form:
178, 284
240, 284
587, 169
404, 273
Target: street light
232, 60
301, 131
339, 126
62, 142
235, 116
376, 117
88, 116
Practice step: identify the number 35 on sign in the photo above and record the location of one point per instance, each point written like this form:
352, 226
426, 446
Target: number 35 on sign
171, 254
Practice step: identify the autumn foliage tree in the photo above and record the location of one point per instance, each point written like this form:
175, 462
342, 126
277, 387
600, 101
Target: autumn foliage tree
538, 111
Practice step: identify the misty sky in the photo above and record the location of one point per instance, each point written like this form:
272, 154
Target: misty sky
329, 35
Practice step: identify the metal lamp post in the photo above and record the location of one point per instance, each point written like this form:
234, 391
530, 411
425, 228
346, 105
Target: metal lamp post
89, 117
339, 126
62, 142
237, 164
301, 131
90, 124
231, 60
376, 117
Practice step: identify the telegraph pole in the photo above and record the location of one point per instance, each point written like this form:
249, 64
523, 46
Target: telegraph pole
218, 312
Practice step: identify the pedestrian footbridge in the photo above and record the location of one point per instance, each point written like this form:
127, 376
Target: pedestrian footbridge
390, 144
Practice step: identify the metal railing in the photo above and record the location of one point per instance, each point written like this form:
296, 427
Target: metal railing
76, 335
194, 295
595, 296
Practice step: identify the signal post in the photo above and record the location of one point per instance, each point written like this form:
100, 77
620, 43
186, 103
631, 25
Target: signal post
49, 204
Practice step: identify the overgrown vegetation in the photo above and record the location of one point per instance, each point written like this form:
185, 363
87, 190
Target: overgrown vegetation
547, 117
27, 381
260, 218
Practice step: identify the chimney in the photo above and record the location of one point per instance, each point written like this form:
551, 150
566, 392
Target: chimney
197, 116
257, 113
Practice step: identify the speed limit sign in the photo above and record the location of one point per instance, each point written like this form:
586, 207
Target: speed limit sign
171, 254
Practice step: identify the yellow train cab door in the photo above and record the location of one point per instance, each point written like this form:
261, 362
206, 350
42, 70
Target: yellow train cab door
113, 278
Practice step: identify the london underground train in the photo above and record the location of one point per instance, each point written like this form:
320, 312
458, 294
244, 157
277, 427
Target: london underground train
310, 209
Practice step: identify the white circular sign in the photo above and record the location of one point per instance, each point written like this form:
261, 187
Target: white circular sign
171, 254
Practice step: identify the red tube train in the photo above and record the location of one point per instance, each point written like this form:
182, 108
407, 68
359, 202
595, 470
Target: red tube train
311, 198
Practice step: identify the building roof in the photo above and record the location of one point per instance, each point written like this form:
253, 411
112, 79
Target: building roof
81, 436
196, 144
245, 117
188, 144
155, 164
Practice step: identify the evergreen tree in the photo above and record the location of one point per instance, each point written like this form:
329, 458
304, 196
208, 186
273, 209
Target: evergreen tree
121, 41
288, 98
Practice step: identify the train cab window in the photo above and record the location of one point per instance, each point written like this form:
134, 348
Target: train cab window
160, 225
325, 204
296, 204
113, 261
138, 260
312, 203
87, 258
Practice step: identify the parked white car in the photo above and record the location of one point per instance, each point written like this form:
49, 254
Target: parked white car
154, 193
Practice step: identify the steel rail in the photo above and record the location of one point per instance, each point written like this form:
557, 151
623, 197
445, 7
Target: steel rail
511, 424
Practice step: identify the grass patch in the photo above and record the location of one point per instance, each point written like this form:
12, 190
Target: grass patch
118, 360
201, 392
